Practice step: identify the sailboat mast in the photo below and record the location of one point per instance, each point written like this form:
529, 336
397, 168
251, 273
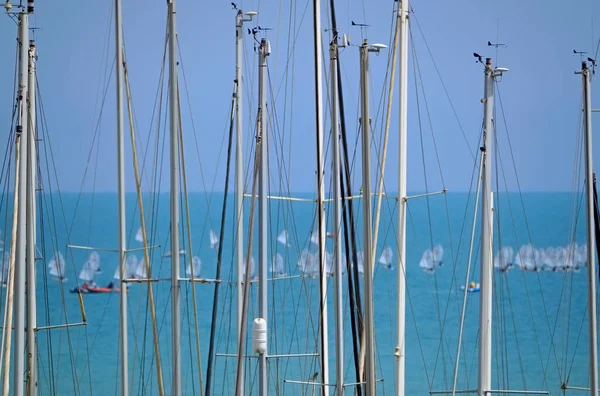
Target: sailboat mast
337, 222
174, 179
321, 193
31, 213
402, 165
121, 192
263, 182
369, 346
239, 172
21, 246
485, 308
591, 260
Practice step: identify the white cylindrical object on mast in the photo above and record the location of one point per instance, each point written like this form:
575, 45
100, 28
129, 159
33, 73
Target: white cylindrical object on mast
259, 336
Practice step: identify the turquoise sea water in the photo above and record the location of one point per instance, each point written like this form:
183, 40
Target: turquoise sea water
539, 329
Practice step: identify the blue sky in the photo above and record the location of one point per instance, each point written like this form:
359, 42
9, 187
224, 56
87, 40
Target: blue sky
540, 94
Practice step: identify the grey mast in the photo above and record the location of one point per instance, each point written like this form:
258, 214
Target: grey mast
321, 194
337, 221
370, 384
239, 165
121, 198
485, 308
591, 259
174, 195
402, 165
263, 182
31, 234
21, 245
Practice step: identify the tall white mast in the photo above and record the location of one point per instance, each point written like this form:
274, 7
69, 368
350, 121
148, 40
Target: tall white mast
239, 170
402, 164
239, 165
121, 192
337, 221
174, 178
370, 385
485, 308
31, 213
21, 246
591, 260
263, 183
321, 192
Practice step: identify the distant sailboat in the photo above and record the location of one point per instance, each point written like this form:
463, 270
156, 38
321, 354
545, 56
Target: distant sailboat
252, 268
438, 255
139, 236
360, 259
503, 259
196, 266
140, 271
314, 237
386, 258
87, 274
131, 266
308, 264
432, 258
4, 267
525, 258
214, 240
93, 262
277, 266
284, 238
56, 266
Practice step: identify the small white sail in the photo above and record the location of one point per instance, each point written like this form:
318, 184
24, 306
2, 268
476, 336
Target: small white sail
314, 237
252, 268
284, 238
580, 256
427, 261
308, 264
56, 266
87, 274
360, 259
386, 257
196, 266
277, 266
438, 255
503, 259
131, 265
329, 269
525, 258
214, 241
4, 267
139, 236
140, 271
93, 262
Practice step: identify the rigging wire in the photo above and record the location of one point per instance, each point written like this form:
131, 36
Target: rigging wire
211, 352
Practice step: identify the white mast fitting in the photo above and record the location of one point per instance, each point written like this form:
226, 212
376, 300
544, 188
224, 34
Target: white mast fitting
370, 382
321, 194
31, 214
21, 246
174, 179
402, 165
121, 192
263, 183
591, 260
